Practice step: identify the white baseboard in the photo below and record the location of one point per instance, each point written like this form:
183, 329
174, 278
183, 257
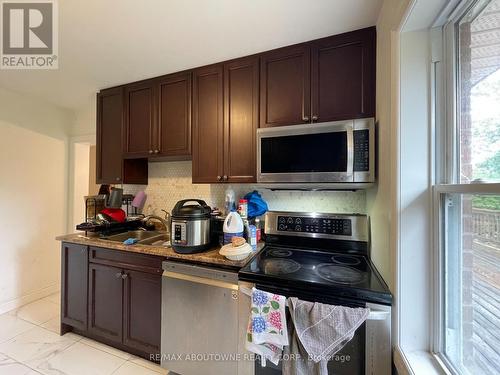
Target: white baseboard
27, 298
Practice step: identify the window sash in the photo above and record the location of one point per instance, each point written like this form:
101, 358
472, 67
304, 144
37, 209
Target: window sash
446, 164
440, 237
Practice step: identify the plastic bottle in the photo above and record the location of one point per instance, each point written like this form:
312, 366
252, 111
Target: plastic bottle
252, 236
258, 229
230, 201
233, 227
243, 208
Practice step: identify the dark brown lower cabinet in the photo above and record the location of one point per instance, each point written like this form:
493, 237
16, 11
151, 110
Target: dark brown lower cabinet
74, 265
112, 296
142, 311
105, 302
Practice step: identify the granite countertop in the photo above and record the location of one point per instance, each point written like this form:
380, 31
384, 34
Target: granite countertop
211, 257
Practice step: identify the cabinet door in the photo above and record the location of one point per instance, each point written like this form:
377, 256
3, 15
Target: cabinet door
285, 86
139, 119
241, 111
105, 302
207, 124
142, 311
74, 273
174, 115
343, 76
109, 136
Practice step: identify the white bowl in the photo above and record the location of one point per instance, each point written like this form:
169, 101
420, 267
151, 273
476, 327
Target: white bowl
236, 253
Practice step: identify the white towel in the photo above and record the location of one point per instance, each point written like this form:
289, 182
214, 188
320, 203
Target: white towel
267, 332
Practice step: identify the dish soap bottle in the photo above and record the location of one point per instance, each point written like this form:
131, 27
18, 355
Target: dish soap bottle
233, 226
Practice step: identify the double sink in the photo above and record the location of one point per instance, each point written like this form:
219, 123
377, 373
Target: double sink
153, 238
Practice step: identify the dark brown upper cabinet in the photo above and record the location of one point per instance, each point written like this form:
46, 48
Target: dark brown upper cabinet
225, 121
211, 114
241, 119
109, 136
174, 116
285, 87
140, 119
111, 168
343, 76
208, 124
327, 79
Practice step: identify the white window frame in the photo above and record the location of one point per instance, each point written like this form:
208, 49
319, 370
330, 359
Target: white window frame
446, 165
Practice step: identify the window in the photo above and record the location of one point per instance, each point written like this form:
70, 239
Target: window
468, 202
478, 42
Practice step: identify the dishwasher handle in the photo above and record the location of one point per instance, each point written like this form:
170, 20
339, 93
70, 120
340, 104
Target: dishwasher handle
200, 280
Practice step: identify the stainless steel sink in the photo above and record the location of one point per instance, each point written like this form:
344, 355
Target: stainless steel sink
143, 237
158, 240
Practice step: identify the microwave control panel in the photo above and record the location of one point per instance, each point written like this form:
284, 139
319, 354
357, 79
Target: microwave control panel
318, 225
361, 150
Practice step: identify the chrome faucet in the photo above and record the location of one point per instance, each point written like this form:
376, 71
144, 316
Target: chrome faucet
165, 222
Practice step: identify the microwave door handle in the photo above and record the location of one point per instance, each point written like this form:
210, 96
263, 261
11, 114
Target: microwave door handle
350, 152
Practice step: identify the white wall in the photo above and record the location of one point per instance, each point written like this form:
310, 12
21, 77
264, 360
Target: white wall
82, 133
85, 119
81, 167
33, 195
380, 199
415, 294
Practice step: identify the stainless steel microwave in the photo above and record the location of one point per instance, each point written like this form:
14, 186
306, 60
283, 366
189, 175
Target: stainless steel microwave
330, 152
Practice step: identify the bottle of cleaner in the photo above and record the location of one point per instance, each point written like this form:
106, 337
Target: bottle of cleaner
233, 226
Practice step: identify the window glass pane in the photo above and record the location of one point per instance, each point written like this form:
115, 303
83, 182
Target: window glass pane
479, 93
472, 282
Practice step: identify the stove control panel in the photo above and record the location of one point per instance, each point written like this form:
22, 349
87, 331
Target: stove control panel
320, 225
351, 227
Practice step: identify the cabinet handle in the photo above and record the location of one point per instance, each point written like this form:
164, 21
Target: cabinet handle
225, 178
150, 151
157, 151
118, 179
305, 118
124, 276
219, 178
118, 275
315, 118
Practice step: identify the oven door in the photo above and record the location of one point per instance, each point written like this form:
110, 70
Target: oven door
350, 360
306, 153
368, 353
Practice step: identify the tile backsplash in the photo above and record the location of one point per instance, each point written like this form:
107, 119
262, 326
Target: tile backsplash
170, 182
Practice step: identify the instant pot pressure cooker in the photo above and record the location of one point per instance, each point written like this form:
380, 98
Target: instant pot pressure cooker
191, 226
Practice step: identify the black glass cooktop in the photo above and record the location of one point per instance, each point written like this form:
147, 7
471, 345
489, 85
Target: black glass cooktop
321, 272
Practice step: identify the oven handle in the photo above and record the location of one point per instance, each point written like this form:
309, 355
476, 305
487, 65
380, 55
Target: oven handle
373, 315
378, 315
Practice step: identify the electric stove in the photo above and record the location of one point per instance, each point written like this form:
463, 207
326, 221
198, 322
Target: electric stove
326, 258
321, 254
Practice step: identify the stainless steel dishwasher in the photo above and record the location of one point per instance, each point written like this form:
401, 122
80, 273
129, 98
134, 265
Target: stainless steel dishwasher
199, 327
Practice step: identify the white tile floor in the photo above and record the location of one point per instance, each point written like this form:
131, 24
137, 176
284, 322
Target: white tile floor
30, 344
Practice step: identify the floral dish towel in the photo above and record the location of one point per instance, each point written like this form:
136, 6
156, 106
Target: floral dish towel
267, 333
